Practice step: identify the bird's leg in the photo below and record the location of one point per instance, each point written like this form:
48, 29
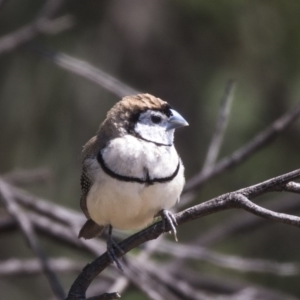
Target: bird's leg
168, 217
111, 247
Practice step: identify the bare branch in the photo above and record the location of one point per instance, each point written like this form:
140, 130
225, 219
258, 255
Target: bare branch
28, 231
229, 261
247, 150
245, 203
217, 138
86, 71
13, 266
241, 224
230, 200
28, 177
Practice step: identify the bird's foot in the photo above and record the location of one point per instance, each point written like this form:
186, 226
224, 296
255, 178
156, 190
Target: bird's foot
112, 246
168, 217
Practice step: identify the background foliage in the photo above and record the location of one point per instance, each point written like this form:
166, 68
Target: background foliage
183, 52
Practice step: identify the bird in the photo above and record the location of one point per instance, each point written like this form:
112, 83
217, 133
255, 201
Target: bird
131, 171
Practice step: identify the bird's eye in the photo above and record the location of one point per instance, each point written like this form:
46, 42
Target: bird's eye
155, 119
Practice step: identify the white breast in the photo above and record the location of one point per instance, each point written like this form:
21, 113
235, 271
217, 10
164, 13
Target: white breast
131, 205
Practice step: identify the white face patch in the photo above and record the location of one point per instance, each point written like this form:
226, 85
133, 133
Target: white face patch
152, 126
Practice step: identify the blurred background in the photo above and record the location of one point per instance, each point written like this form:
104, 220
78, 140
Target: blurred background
183, 52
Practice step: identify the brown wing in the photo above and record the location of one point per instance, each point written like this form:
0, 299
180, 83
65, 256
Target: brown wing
90, 229
85, 187
89, 150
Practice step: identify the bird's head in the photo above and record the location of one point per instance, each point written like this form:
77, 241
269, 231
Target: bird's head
146, 117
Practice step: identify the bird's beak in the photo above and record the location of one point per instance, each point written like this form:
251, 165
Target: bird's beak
176, 120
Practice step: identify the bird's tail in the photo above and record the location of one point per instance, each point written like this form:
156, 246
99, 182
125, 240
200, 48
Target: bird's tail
90, 230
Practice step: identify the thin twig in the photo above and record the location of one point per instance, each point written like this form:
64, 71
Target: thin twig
243, 202
240, 155
85, 70
221, 124
28, 231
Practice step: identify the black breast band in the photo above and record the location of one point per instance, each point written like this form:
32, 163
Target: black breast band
147, 181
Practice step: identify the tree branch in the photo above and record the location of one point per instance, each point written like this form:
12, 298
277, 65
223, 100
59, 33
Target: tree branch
241, 224
237, 199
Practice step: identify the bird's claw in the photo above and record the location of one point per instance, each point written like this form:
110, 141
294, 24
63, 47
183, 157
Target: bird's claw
112, 246
168, 217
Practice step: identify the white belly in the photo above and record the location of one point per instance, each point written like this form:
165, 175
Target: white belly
132, 205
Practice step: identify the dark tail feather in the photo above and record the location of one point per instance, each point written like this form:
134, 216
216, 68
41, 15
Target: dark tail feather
90, 230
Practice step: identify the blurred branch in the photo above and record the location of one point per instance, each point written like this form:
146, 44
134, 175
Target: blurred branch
229, 261
85, 70
28, 177
242, 224
43, 24
28, 232
54, 211
180, 286
55, 229
122, 282
147, 283
67, 235
238, 156
237, 199
13, 266
221, 124
27, 33
226, 286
